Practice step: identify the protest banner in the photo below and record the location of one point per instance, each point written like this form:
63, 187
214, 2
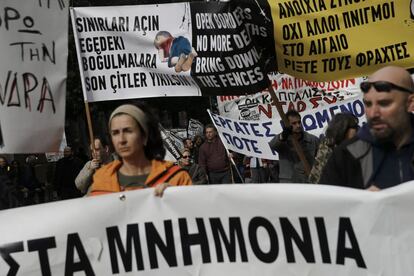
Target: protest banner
259, 229
334, 40
180, 49
251, 137
33, 54
293, 93
195, 128
172, 144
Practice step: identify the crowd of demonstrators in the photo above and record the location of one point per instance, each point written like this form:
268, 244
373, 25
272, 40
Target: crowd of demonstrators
101, 155
137, 141
342, 127
291, 168
20, 184
213, 158
381, 154
376, 156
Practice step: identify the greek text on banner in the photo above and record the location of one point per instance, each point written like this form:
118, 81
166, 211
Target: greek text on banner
215, 230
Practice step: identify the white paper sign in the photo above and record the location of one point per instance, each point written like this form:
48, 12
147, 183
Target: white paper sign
33, 55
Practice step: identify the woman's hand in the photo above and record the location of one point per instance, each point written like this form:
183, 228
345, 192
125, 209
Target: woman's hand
373, 188
159, 189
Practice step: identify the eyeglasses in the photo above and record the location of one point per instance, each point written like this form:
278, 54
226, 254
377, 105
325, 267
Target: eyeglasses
382, 86
186, 156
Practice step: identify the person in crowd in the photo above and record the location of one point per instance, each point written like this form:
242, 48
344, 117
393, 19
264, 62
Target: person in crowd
380, 155
4, 166
197, 142
15, 171
100, 156
17, 188
213, 158
258, 169
291, 168
137, 141
189, 145
274, 171
238, 170
198, 175
66, 171
5, 182
342, 127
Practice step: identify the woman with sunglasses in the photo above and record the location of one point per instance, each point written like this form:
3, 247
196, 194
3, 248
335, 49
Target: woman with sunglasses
197, 173
137, 141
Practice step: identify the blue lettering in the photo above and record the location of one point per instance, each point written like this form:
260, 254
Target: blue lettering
244, 124
238, 128
237, 142
255, 131
223, 122
214, 117
312, 124
228, 124
245, 140
228, 138
322, 118
345, 109
332, 110
254, 146
268, 129
358, 106
241, 143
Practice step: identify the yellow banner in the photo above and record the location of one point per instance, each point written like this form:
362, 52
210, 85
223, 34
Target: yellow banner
325, 40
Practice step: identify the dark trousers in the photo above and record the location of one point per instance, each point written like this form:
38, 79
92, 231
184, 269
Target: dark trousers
219, 177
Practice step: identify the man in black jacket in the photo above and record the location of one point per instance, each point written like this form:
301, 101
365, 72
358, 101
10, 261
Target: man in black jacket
381, 154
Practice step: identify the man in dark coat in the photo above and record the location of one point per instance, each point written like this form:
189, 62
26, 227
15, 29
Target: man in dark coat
66, 171
381, 154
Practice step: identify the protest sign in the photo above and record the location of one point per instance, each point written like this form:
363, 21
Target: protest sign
195, 128
251, 137
333, 40
293, 93
214, 230
33, 54
172, 144
180, 49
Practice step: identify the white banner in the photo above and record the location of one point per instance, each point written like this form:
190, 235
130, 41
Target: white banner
260, 229
117, 56
33, 55
293, 93
177, 49
194, 128
252, 137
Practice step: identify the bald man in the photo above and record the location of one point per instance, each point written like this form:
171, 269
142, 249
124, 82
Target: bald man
381, 154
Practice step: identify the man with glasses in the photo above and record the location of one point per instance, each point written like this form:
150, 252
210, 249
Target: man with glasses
380, 155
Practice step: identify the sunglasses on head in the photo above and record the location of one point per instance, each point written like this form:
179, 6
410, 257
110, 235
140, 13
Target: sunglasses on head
382, 86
